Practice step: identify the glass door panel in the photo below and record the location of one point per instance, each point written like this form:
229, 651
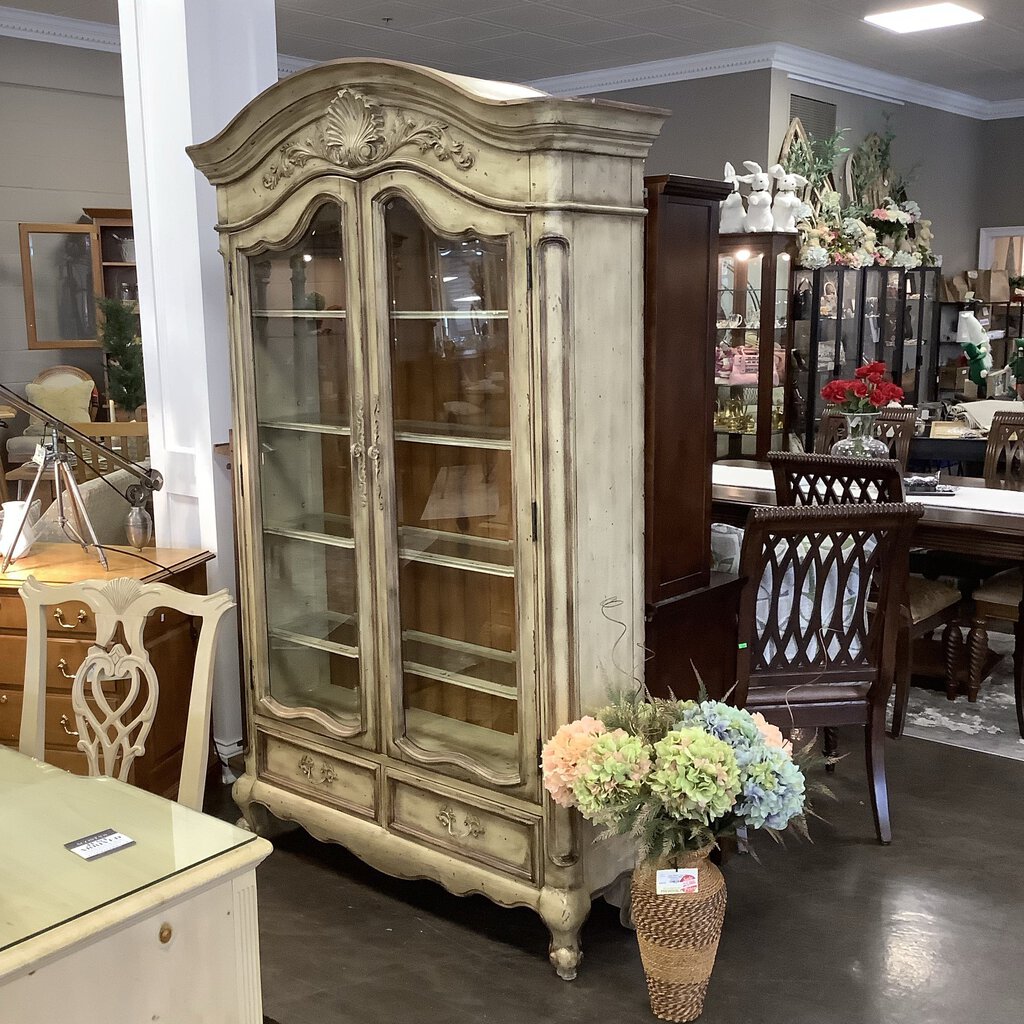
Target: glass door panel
301, 352
448, 353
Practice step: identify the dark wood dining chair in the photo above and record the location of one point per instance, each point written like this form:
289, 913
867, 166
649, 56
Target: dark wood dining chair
809, 654
831, 428
830, 480
997, 600
1004, 452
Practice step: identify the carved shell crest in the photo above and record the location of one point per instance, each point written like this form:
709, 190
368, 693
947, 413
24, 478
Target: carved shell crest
355, 132
120, 594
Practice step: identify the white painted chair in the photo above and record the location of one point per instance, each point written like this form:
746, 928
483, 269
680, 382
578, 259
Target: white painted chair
112, 737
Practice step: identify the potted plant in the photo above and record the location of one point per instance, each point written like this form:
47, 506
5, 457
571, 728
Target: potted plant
675, 776
123, 347
860, 400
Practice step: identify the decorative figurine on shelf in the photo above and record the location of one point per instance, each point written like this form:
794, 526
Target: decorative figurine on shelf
973, 339
759, 202
1016, 364
733, 212
788, 207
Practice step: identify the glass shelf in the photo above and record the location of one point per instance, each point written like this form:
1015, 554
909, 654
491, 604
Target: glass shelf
467, 665
308, 426
449, 314
302, 314
317, 527
456, 551
328, 631
453, 434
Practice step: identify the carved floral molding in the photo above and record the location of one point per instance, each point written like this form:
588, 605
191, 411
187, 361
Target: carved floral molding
356, 132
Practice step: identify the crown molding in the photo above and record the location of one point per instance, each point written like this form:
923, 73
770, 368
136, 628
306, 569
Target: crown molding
92, 35
49, 28
799, 64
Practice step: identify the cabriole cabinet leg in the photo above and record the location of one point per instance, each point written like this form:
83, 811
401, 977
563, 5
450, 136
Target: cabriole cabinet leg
564, 911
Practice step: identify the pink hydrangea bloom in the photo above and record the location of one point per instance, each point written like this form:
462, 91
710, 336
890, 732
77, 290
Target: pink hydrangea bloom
562, 756
771, 734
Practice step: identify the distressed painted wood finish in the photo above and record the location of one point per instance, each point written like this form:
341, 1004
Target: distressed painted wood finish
558, 183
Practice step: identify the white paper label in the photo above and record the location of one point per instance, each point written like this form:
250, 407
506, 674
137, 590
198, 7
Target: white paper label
99, 844
672, 881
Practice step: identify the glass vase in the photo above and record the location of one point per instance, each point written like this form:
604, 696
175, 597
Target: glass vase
860, 441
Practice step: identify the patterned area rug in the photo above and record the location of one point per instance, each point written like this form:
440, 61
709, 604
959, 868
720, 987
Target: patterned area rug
989, 725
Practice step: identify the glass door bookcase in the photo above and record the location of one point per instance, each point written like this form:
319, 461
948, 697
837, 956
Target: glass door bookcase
752, 338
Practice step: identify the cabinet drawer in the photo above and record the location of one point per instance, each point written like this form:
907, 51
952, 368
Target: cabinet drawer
62, 660
77, 619
60, 719
475, 829
348, 783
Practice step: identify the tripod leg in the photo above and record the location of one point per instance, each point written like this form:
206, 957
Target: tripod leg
9, 557
76, 499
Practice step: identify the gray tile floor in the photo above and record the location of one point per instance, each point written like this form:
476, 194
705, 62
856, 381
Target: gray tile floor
927, 931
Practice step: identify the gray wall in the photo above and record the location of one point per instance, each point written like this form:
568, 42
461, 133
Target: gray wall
62, 122
1001, 191
713, 120
949, 149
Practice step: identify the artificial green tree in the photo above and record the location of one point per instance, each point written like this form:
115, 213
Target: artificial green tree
125, 373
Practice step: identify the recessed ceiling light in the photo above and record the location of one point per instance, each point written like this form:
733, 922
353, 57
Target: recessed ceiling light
920, 19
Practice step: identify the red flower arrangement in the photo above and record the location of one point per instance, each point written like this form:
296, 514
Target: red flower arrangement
868, 392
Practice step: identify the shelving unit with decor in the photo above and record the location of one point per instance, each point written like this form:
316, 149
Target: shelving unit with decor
844, 317
1005, 323
438, 383
753, 339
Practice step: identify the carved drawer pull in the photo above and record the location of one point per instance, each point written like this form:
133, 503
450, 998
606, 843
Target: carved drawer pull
471, 827
308, 768
62, 668
64, 723
373, 452
58, 614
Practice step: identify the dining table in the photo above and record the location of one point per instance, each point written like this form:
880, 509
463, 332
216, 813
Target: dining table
975, 521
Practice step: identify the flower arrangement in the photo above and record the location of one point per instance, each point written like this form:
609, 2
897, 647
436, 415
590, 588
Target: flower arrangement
869, 391
675, 775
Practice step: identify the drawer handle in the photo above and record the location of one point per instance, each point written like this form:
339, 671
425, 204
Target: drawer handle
58, 614
62, 668
64, 723
308, 768
3, 698
471, 827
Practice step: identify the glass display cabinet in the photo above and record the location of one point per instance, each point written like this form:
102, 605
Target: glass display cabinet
435, 338
845, 317
65, 266
752, 339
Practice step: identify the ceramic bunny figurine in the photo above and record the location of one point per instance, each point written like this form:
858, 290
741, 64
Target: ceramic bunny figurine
731, 219
787, 202
759, 202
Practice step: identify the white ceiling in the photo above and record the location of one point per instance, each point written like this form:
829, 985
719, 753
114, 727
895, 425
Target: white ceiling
525, 40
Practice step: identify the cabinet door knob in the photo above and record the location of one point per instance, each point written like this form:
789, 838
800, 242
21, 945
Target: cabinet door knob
58, 614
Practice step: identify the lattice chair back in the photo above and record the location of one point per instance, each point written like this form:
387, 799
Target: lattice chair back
113, 722
811, 479
1004, 453
804, 609
895, 427
831, 428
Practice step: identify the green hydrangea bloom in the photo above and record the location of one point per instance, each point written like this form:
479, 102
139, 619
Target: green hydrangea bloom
613, 775
695, 775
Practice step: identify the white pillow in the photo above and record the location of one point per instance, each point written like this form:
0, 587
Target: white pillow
67, 398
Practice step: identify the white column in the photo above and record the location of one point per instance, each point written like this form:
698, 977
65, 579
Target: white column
189, 66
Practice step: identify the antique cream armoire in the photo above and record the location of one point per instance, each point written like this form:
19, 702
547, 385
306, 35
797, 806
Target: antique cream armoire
435, 291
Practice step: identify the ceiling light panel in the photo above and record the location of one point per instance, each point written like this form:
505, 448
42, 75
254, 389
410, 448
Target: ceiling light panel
921, 19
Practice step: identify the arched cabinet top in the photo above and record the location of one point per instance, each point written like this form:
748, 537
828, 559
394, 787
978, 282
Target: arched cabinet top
354, 118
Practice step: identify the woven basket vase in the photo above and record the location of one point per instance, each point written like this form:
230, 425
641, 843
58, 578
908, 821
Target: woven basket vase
678, 934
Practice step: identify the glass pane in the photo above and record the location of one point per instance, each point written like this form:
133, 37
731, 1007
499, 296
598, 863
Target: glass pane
449, 329
63, 289
300, 342
449, 358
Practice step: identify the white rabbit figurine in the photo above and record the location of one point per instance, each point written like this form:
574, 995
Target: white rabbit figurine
759, 202
731, 219
787, 202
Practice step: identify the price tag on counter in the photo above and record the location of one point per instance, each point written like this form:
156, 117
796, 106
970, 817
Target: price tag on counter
99, 844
